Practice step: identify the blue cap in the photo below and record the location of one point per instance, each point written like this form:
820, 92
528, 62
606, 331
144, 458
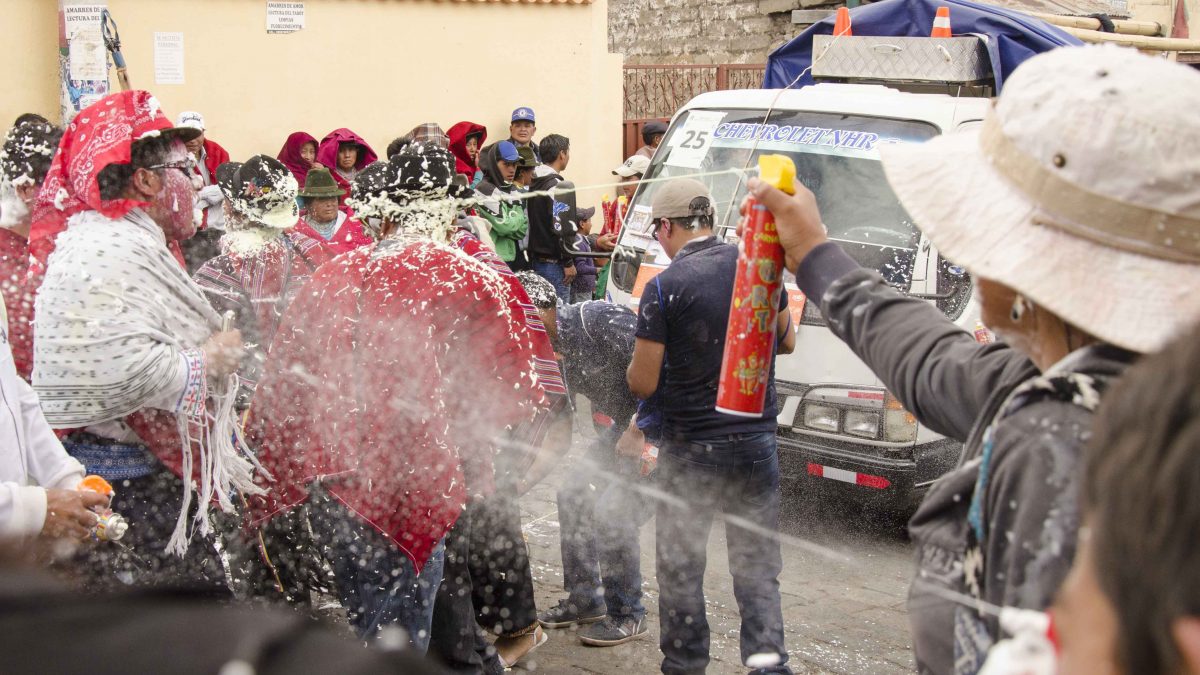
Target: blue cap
523, 114
507, 151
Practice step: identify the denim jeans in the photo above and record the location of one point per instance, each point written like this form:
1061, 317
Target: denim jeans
736, 475
600, 513
458, 642
376, 582
553, 272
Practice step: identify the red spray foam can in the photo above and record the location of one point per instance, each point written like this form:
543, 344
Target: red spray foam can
750, 337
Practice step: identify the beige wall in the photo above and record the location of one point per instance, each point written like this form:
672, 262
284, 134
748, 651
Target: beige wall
29, 80
378, 67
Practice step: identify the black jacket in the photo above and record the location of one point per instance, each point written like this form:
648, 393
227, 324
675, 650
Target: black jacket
958, 387
552, 222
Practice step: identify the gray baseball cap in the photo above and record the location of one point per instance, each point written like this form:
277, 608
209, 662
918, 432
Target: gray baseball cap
682, 198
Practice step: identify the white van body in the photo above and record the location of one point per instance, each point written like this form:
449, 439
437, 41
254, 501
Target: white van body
836, 420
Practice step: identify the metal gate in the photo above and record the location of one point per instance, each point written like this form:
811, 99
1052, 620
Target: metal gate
655, 92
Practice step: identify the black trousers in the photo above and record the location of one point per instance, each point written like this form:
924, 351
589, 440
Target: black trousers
457, 640
151, 505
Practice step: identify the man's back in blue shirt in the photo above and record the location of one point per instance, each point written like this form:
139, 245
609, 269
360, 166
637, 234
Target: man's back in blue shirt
686, 308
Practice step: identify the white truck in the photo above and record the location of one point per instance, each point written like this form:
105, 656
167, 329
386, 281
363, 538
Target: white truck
837, 422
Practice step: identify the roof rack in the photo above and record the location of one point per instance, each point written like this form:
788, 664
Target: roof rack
943, 65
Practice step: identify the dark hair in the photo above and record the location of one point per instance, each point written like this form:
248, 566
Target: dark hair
693, 222
29, 149
1141, 481
114, 178
551, 146
30, 117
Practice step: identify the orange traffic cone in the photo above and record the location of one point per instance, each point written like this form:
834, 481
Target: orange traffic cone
841, 25
941, 23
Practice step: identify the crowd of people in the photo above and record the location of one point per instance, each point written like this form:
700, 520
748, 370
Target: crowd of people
328, 374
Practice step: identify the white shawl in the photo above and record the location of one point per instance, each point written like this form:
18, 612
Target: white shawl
118, 325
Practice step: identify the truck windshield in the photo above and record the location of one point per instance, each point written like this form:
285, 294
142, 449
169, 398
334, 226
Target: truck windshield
836, 156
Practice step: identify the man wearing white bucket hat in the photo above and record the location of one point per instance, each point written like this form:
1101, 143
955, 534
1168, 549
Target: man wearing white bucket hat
1076, 206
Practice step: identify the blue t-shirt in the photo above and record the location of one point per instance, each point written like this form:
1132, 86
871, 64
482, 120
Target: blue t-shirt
686, 308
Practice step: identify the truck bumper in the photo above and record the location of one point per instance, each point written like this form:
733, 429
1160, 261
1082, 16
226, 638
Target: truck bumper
863, 473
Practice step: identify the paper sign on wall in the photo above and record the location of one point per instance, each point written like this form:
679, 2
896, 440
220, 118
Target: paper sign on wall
86, 53
691, 142
284, 17
168, 58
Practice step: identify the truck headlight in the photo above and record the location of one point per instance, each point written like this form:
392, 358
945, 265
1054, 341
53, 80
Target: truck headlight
821, 417
899, 425
862, 423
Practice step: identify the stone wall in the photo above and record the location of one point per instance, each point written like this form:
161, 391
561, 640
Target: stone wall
699, 31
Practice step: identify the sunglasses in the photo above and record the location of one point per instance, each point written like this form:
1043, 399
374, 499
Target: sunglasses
187, 166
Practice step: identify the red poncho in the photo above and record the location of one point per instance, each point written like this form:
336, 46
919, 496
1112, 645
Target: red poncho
458, 134
328, 150
347, 237
258, 286
14, 267
389, 378
289, 154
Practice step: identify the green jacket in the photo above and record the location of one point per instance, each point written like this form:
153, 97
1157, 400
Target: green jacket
509, 227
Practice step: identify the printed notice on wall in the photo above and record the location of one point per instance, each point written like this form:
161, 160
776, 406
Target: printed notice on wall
86, 54
168, 58
284, 17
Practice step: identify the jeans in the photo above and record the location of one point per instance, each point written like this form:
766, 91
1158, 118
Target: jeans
498, 561
553, 272
736, 475
376, 582
458, 641
599, 514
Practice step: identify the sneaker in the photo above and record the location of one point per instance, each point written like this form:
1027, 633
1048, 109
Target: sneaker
565, 614
610, 632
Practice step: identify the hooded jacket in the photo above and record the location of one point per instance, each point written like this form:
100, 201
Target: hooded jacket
1018, 477
459, 133
507, 216
327, 153
289, 154
551, 221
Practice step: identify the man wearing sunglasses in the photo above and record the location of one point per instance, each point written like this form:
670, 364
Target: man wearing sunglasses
128, 353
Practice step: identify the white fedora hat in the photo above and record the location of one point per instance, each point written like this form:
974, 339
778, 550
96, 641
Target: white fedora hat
1080, 190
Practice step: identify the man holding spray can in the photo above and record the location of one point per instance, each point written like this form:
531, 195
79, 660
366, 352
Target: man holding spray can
710, 461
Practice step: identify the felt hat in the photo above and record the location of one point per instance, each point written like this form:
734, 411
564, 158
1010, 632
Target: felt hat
320, 183
527, 160
225, 178
264, 190
1078, 190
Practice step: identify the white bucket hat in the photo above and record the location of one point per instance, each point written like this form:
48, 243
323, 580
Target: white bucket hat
1080, 190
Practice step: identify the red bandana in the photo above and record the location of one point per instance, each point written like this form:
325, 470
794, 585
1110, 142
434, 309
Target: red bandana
101, 134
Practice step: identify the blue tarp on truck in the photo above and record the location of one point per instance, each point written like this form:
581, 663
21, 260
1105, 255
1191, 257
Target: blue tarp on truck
1012, 36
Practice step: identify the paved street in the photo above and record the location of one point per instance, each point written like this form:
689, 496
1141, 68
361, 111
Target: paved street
843, 616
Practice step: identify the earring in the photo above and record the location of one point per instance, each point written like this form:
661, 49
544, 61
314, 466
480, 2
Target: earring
1018, 308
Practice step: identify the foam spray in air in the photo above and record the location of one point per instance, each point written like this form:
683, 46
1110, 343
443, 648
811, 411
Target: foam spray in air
754, 308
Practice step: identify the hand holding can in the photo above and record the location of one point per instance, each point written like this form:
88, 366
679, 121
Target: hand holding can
750, 337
